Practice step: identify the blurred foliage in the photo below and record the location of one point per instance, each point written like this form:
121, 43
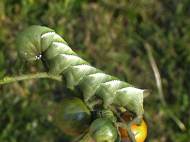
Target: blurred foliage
108, 34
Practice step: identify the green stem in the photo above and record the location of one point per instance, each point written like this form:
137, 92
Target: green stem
86, 138
10, 79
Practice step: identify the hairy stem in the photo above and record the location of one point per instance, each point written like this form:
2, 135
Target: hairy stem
9, 79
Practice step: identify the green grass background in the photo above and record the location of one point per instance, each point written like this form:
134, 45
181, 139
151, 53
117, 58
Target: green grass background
111, 35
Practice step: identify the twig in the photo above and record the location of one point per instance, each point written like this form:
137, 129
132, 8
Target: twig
10, 79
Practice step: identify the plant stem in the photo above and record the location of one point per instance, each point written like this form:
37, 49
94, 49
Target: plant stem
9, 79
86, 138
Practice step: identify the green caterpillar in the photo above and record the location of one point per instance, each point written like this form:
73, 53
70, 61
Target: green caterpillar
42, 43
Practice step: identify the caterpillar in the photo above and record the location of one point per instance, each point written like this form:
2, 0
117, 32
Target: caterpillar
43, 43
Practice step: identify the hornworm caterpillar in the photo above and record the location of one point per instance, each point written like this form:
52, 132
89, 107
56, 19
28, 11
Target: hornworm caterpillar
42, 43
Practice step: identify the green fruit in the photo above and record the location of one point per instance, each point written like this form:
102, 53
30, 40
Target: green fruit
103, 130
71, 116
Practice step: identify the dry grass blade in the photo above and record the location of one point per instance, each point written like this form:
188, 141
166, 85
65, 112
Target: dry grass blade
159, 87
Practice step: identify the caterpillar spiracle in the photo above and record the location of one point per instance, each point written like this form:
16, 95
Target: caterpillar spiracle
43, 43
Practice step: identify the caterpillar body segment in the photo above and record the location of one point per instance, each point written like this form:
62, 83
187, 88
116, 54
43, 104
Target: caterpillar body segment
39, 42
56, 48
94, 82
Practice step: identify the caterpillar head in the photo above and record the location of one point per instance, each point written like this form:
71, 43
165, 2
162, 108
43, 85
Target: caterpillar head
29, 42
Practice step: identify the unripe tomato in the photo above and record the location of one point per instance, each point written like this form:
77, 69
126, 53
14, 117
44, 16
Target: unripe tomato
139, 131
71, 116
103, 130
